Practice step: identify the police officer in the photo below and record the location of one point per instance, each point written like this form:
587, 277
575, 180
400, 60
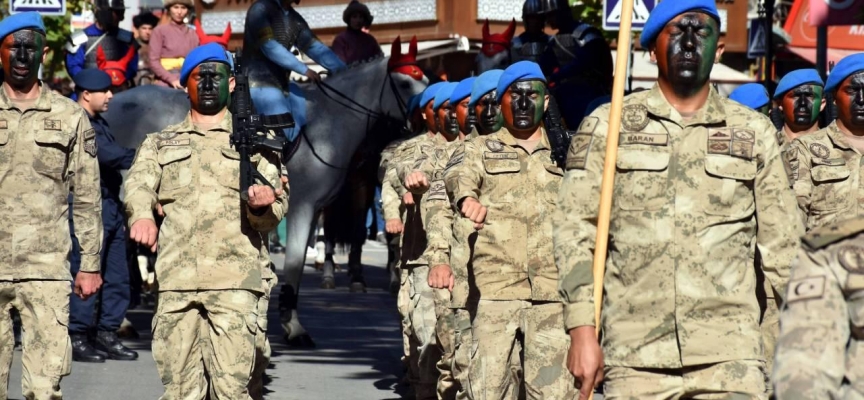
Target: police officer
800, 95
819, 349
752, 95
531, 44
825, 167
47, 150
115, 42
93, 89
699, 186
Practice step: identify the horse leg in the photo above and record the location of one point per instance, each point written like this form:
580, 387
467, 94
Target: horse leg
392, 261
299, 220
355, 268
328, 276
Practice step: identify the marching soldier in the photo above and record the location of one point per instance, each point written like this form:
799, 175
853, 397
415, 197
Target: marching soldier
47, 150
700, 186
212, 247
819, 348
825, 167
506, 184
801, 97
484, 101
752, 95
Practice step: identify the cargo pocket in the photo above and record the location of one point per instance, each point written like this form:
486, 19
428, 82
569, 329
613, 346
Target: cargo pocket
52, 153
176, 169
475, 375
5, 151
730, 192
229, 169
830, 188
59, 359
642, 179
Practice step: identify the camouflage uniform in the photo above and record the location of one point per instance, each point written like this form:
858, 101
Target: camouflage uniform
46, 152
819, 352
513, 269
212, 252
269, 280
680, 283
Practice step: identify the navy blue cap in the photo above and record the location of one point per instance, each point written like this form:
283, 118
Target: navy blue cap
463, 90
92, 79
752, 95
797, 78
667, 10
429, 93
594, 104
846, 67
485, 83
17, 22
520, 71
444, 94
211, 52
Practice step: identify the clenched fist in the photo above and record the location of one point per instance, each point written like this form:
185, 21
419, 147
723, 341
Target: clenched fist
144, 232
441, 277
261, 196
473, 210
417, 182
394, 226
585, 360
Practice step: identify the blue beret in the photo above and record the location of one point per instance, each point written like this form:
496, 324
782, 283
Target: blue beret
429, 94
17, 22
667, 10
797, 78
444, 94
463, 90
414, 103
92, 79
847, 66
594, 104
485, 83
520, 71
752, 95
211, 52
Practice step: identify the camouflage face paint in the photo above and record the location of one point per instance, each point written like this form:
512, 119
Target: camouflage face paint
465, 116
685, 50
850, 101
801, 106
523, 105
208, 87
447, 122
431, 117
21, 54
489, 119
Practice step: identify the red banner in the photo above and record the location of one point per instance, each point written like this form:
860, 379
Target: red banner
836, 12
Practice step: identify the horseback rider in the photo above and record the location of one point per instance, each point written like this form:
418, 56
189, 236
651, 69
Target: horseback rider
531, 44
354, 44
106, 34
171, 42
273, 27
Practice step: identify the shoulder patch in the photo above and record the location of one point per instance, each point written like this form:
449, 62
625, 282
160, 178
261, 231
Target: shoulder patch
826, 235
634, 117
852, 258
455, 160
790, 158
588, 125
90, 142
494, 145
577, 155
437, 191
819, 150
165, 135
806, 289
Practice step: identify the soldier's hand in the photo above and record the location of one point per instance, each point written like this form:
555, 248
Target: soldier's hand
408, 199
144, 232
160, 211
261, 196
313, 76
87, 284
441, 277
176, 85
394, 226
585, 360
284, 179
473, 210
417, 182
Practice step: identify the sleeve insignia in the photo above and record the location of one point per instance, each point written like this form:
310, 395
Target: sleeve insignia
588, 126
634, 117
455, 160
577, 155
852, 258
792, 163
819, 150
90, 142
806, 289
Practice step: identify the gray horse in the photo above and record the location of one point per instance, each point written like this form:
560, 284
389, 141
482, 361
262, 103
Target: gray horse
341, 111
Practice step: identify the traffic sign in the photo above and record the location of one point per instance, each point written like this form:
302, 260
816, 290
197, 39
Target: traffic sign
756, 38
44, 7
612, 14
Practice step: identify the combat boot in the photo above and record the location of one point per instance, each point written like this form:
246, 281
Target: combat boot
82, 351
109, 346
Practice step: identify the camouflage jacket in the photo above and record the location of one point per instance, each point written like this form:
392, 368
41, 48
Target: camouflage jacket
47, 151
692, 201
208, 240
391, 201
826, 176
413, 234
512, 258
820, 353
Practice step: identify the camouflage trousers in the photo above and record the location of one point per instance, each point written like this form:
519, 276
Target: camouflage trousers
461, 350
262, 343
47, 355
770, 328
421, 314
403, 304
741, 379
445, 336
201, 334
502, 330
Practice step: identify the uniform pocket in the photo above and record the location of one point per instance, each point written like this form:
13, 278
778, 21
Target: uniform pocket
830, 187
52, 154
229, 169
730, 192
642, 179
476, 374
176, 167
59, 354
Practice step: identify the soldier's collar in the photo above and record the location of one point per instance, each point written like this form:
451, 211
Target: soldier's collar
837, 136
504, 136
188, 126
42, 103
712, 112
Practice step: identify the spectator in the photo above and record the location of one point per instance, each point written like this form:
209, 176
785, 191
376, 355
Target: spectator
105, 34
144, 25
171, 42
354, 44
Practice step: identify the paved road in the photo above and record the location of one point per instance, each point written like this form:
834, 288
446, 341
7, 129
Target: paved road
357, 357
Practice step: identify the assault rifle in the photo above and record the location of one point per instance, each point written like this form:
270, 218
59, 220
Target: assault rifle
559, 136
250, 129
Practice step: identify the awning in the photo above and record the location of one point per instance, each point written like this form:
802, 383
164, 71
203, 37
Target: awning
809, 54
